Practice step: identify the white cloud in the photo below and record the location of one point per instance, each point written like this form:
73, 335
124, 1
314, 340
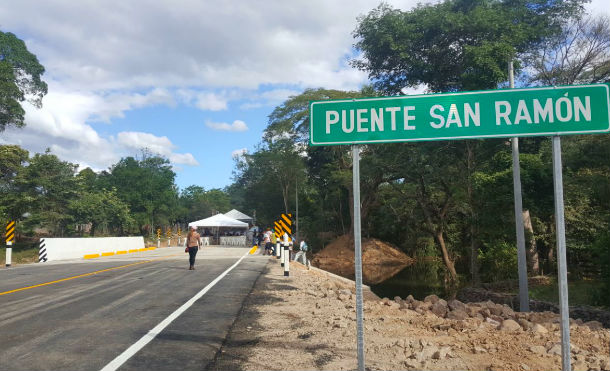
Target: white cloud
183, 158
61, 125
114, 45
238, 153
114, 105
158, 145
269, 98
237, 125
211, 102
138, 140
419, 89
205, 100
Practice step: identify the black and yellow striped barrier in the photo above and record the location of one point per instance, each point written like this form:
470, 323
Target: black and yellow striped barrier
9, 236
10, 233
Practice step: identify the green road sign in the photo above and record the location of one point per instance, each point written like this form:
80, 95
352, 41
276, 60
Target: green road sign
562, 110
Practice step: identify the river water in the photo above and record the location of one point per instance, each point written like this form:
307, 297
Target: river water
422, 278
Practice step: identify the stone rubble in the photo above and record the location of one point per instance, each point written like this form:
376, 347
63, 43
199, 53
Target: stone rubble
406, 333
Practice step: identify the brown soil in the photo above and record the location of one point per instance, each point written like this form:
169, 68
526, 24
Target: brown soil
307, 322
380, 260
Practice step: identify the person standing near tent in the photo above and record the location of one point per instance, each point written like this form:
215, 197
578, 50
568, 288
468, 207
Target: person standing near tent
302, 254
273, 242
192, 242
267, 241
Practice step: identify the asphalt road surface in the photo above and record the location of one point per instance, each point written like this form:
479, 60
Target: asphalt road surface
75, 320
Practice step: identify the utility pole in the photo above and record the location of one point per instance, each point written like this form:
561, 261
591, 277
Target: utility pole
521, 260
296, 196
358, 257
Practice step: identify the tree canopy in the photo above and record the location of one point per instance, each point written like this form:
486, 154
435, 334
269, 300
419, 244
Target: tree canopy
20, 80
454, 45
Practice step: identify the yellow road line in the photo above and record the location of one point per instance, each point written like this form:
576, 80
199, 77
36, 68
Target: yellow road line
84, 275
121, 252
133, 250
253, 249
91, 256
107, 253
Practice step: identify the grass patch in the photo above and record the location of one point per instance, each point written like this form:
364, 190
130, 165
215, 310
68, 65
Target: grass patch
580, 292
20, 255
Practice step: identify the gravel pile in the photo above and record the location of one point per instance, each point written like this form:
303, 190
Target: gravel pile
307, 322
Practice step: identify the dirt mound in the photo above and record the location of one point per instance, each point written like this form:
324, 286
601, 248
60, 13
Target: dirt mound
380, 260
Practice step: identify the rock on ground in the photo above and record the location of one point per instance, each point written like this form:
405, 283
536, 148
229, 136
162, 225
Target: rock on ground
309, 318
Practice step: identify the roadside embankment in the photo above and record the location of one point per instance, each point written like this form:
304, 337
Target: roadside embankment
307, 322
21, 255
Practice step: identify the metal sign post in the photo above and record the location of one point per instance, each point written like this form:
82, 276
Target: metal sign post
358, 256
562, 271
296, 196
524, 302
511, 113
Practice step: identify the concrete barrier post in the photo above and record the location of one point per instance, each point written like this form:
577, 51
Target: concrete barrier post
168, 242
286, 262
9, 253
158, 242
277, 250
282, 256
42, 251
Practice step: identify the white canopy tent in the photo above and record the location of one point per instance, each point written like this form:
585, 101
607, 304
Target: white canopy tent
238, 215
218, 221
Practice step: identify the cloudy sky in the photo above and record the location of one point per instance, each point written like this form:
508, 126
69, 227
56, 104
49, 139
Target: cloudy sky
192, 80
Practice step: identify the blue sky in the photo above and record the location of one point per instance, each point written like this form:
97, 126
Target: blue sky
191, 80
185, 126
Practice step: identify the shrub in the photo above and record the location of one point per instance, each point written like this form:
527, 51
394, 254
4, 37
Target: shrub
601, 251
498, 262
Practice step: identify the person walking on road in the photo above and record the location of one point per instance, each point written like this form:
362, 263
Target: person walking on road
192, 242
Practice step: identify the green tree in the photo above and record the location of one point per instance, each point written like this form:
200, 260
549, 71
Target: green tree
101, 208
268, 178
454, 45
196, 203
12, 161
328, 167
580, 54
46, 187
88, 180
20, 79
147, 186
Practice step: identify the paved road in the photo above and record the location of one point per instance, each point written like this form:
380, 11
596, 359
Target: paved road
85, 322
